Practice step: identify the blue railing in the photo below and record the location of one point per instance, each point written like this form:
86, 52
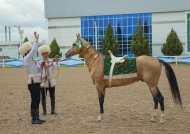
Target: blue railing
16, 63
72, 62
176, 59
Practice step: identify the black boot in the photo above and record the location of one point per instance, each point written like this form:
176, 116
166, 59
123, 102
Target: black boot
44, 106
34, 117
38, 118
53, 106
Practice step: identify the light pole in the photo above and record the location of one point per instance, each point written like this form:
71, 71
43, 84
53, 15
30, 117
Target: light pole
21, 32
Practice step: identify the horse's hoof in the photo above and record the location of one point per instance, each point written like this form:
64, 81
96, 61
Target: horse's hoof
153, 119
100, 118
162, 121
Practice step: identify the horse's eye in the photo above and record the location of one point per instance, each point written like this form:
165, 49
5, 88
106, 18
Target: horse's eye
74, 44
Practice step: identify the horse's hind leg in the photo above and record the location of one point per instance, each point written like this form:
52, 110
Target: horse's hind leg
153, 119
158, 98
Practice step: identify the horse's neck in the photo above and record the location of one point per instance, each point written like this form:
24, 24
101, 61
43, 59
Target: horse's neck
90, 56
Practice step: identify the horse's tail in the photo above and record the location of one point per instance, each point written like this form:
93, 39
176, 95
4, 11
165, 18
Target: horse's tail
173, 82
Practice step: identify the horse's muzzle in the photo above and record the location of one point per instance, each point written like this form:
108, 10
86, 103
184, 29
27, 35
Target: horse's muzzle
69, 53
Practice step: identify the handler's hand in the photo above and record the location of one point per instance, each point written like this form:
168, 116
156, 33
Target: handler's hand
57, 58
45, 78
36, 35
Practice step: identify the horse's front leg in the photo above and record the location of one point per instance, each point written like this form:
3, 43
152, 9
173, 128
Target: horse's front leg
101, 96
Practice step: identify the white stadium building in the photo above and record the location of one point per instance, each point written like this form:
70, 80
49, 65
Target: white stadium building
9, 49
91, 17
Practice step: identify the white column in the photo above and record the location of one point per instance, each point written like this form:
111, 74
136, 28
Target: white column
96, 35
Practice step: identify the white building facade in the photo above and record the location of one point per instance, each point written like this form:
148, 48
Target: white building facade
64, 31
66, 18
162, 23
9, 49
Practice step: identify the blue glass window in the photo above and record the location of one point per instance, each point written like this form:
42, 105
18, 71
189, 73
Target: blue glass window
124, 27
124, 30
129, 21
129, 30
124, 21
135, 21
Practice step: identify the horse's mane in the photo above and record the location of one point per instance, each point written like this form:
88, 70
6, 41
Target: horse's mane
84, 41
87, 43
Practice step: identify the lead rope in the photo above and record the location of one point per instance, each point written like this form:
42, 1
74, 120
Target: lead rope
43, 67
45, 81
46, 71
48, 78
57, 67
56, 60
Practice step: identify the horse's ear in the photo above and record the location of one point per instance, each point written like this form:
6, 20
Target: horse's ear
78, 36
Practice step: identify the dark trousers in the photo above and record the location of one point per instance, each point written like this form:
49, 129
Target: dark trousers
35, 99
51, 93
52, 98
35, 95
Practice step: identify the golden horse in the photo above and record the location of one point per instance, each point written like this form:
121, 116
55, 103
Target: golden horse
148, 71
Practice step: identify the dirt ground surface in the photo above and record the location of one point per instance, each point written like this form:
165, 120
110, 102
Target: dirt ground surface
128, 109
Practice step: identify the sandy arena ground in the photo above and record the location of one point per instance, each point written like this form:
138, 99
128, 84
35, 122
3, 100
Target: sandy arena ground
127, 109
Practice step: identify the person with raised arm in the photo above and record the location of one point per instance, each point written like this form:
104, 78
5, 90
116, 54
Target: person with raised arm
34, 76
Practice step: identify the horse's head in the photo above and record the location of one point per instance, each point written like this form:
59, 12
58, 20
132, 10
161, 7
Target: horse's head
76, 48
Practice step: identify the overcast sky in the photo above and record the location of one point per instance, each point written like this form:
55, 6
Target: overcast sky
27, 13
